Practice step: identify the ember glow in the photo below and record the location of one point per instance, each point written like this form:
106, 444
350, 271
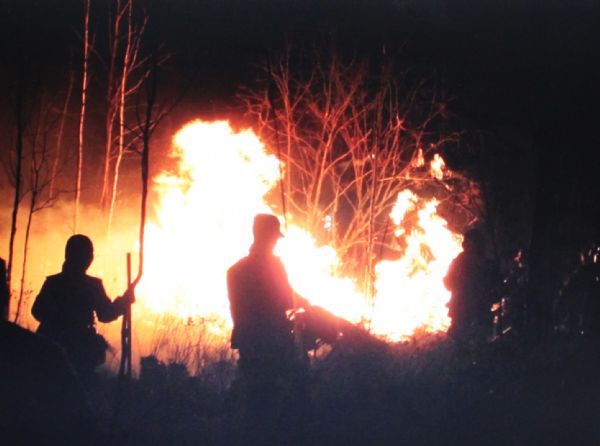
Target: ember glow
203, 225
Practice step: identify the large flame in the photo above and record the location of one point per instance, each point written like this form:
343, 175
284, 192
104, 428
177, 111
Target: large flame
203, 222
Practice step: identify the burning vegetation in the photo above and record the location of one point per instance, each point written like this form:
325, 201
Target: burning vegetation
350, 161
203, 215
203, 211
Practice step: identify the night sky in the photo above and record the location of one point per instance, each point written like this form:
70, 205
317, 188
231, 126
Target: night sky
496, 58
524, 75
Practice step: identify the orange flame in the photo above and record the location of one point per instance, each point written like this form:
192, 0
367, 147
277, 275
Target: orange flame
437, 166
203, 225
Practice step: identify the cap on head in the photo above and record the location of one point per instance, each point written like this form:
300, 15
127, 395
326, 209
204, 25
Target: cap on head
266, 226
79, 250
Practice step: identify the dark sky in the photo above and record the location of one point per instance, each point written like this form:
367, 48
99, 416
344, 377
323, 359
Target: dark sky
492, 51
523, 74
521, 64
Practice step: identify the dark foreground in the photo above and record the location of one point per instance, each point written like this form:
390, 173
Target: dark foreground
433, 393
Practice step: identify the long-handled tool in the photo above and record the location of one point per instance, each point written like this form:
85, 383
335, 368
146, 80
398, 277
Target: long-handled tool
125, 366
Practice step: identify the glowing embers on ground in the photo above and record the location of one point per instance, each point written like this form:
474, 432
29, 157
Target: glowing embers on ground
203, 225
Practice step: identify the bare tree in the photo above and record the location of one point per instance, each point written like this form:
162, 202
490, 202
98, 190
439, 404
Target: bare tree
61, 131
16, 174
132, 74
112, 93
350, 138
148, 115
84, 87
40, 177
123, 46
22, 67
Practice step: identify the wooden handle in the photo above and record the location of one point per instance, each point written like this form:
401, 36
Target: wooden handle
128, 269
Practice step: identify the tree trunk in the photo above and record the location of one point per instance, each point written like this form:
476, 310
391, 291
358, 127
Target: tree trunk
122, 98
25, 250
112, 99
60, 133
18, 174
82, 115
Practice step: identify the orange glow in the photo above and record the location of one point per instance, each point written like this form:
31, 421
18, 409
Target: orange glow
203, 225
437, 167
410, 291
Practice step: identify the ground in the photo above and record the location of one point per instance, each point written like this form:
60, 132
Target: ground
503, 392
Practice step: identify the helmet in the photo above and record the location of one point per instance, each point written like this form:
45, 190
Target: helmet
266, 226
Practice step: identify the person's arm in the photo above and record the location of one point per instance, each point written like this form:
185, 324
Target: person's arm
300, 301
44, 309
106, 310
232, 293
292, 300
284, 292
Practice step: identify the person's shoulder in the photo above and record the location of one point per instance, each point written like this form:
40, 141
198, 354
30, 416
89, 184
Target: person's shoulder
458, 259
54, 278
239, 265
276, 263
93, 281
55, 282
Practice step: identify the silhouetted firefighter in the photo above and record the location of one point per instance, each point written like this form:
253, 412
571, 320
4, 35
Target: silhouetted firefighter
578, 308
68, 304
271, 369
470, 279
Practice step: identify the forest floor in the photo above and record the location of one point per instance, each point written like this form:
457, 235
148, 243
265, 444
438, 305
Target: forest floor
418, 393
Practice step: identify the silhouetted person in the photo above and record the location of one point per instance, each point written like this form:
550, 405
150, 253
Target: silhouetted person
470, 279
41, 399
581, 296
68, 304
4, 292
260, 295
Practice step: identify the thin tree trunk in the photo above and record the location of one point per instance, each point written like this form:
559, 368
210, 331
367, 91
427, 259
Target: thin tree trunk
59, 136
110, 120
82, 115
32, 202
148, 128
18, 167
122, 96
111, 97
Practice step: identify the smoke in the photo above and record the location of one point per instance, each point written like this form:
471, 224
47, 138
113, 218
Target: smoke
50, 230
168, 338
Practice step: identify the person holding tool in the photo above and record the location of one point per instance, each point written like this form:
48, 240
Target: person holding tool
270, 369
69, 303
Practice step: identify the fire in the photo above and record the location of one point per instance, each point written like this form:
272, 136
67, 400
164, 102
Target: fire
437, 166
204, 211
410, 291
203, 225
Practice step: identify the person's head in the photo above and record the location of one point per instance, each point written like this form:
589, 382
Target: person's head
266, 230
79, 252
473, 241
